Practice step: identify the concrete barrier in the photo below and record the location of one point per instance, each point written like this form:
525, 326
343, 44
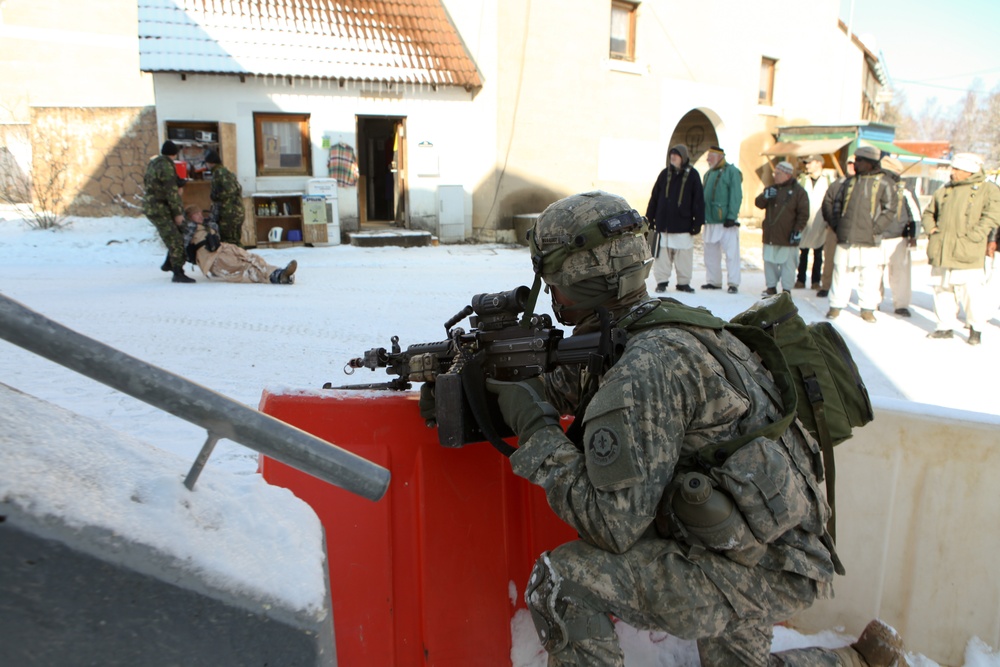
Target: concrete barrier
106, 558
918, 529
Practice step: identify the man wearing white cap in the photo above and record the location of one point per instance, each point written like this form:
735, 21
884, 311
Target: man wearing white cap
864, 207
958, 221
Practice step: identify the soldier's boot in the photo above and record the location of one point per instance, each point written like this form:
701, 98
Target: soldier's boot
179, 277
166, 266
878, 646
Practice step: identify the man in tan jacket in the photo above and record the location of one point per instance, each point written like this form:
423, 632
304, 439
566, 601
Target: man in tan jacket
958, 222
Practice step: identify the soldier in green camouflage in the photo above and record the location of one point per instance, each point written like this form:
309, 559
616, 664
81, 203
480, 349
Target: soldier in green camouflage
640, 558
162, 205
227, 200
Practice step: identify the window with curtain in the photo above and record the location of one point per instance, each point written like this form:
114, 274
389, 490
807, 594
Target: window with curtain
282, 144
623, 30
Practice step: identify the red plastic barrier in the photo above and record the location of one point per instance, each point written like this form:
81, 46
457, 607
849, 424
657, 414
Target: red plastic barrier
422, 577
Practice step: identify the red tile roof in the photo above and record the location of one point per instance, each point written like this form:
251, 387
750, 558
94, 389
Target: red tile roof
401, 41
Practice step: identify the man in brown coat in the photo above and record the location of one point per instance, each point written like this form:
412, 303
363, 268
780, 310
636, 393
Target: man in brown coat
786, 206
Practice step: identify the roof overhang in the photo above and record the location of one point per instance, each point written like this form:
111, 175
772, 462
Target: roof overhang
807, 147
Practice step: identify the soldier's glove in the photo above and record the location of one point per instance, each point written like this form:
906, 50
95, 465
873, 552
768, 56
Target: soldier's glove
730, 223
428, 408
771, 192
795, 238
213, 242
523, 406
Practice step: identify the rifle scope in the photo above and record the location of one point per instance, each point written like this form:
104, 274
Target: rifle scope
511, 301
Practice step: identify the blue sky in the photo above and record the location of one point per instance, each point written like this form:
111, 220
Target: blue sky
933, 48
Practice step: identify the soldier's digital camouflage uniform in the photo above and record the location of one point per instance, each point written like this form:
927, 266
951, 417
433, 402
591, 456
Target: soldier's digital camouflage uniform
665, 398
162, 204
227, 204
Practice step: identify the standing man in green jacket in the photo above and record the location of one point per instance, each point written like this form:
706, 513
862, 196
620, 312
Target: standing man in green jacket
162, 205
227, 200
958, 221
723, 197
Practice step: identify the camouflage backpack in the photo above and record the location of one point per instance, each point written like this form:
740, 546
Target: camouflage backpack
811, 365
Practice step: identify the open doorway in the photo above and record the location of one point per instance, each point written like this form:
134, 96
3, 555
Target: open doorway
382, 196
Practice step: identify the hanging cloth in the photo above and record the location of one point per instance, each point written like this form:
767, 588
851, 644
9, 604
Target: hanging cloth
343, 165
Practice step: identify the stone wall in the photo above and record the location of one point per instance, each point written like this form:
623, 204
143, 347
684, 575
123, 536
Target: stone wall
90, 161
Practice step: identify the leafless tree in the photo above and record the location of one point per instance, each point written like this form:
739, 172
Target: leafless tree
37, 193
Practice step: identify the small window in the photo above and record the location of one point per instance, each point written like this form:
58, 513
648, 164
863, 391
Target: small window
766, 94
623, 30
281, 141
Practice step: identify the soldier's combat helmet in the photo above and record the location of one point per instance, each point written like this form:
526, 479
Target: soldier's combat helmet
592, 247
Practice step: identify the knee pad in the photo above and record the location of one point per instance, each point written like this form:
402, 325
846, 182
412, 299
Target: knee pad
548, 598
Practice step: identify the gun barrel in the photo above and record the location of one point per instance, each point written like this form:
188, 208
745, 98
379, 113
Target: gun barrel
218, 414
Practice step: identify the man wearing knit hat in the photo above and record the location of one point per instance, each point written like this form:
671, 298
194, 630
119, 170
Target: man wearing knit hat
162, 205
864, 207
958, 221
786, 207
723, 198
898, 239
227, 200
676, 210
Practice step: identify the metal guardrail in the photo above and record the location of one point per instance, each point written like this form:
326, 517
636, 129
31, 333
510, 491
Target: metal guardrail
220, 415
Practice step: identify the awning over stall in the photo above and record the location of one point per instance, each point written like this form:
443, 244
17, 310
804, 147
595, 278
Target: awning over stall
889, 147
808, 147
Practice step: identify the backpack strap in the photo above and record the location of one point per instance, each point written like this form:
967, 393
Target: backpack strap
770, 354
666, 312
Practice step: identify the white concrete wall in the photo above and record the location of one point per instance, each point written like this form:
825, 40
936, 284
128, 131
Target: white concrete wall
919, 529
82, 54
442, 118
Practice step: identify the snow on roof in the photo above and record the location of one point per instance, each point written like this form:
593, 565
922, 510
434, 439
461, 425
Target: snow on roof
403, 41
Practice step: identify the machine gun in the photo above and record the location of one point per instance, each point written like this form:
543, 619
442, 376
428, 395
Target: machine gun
500, 344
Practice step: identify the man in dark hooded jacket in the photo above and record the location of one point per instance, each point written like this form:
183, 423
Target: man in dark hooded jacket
676, 212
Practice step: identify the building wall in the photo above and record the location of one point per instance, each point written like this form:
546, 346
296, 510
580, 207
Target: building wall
90, 161
569, 119
70, 54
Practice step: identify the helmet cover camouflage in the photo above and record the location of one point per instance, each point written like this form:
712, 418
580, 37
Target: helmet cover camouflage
570, 245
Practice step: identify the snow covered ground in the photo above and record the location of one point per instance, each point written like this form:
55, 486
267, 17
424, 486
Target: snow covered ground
100, 277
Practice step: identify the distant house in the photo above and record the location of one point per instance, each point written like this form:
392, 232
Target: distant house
462, 114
